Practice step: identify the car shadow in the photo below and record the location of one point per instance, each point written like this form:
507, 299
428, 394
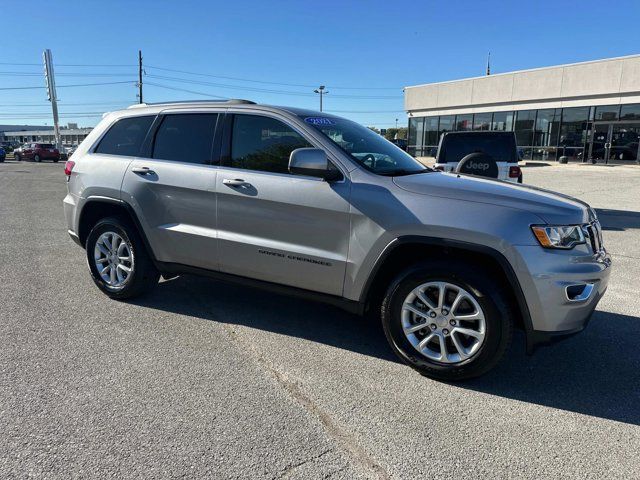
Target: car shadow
618, 220
594, 373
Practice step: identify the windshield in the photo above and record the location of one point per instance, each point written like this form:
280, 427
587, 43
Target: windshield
366, 147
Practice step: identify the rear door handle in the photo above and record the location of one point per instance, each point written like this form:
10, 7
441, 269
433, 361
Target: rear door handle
234, 182
142, 170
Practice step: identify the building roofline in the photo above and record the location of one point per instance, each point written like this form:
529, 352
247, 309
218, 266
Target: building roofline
551, 67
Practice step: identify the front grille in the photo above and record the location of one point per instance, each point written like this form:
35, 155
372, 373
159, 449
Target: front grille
594, 232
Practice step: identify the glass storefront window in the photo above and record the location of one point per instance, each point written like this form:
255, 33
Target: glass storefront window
430, 132
502, 121
415, 135
630, 112
573, 132
607, 112
545, 134
446, 124
524, 131
464, 122
482, 121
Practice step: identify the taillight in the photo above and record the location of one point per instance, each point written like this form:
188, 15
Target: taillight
514, 172
68, 167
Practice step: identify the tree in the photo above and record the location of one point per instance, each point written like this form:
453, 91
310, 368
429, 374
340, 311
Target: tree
374, 129
391, 133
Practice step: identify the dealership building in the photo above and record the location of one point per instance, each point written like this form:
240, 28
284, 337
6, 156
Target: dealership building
70, 135
587, 111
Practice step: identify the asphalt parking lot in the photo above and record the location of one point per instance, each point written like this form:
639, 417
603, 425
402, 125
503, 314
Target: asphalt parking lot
205, 379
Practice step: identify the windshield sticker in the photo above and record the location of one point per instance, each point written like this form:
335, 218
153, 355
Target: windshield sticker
320, 121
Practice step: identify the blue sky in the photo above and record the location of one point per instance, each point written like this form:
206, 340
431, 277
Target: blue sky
363, 51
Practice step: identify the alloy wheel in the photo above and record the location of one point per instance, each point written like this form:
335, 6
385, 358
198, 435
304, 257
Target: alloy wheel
113, 259
443, 322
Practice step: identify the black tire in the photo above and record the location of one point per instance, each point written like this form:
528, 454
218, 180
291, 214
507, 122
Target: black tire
520, 178
37, 158
16, 158
55, 160
144, 275
488, 294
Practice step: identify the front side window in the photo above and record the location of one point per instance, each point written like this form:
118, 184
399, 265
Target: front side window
366, 147
263, 144
186, 137
125, 137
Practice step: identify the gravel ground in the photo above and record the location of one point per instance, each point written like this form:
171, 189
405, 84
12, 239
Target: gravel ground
200, 378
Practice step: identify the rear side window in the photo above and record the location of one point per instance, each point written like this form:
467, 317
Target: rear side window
45, 145
263, 144
126, 136
185, 137
501, 147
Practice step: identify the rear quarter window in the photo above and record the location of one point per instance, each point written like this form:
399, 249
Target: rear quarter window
500, 147
125, 137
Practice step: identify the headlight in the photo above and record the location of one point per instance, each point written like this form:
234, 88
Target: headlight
565, 237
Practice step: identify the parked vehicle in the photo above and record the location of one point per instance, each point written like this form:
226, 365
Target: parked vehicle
486, 154
7, 147
318, 206
3, 154
38, 152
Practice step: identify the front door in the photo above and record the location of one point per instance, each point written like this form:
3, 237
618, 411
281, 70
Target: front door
172, 190
624, 141
600, 142
272, 225
614, 142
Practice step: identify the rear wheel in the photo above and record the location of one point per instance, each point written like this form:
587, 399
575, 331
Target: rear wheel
118, 261
449, 321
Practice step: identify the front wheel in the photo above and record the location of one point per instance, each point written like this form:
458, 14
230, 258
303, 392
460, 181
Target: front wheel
16, 158
447, 320
37, 158
118, 261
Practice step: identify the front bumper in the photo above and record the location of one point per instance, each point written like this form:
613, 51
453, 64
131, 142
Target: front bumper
562, 288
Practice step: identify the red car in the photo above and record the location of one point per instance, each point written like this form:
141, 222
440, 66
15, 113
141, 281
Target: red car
38, 152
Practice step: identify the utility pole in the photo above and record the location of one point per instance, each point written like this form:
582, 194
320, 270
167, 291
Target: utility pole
489, 64
51, 92
396, 123
140, 76
322, 92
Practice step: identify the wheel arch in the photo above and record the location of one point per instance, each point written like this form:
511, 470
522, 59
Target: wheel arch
402, 251
96, 208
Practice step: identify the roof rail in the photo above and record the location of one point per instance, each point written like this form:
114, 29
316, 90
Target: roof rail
231, 101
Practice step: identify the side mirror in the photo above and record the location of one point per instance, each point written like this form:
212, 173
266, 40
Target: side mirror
312, 162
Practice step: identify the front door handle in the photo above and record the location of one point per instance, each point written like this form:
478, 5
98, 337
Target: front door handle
142, 171
234, 182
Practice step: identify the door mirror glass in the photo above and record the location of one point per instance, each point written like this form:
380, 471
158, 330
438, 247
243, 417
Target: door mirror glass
312, 162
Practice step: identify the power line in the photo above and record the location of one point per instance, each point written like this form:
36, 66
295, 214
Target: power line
70, 64
69, 86
185, 90
265, 82
264, 90
64, 74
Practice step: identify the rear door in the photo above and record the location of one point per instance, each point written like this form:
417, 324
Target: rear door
272, 225
171, 187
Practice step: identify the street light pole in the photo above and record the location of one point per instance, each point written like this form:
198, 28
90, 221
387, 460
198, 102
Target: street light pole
396, 123
322, 92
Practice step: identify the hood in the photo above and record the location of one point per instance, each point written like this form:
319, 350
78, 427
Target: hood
551, 207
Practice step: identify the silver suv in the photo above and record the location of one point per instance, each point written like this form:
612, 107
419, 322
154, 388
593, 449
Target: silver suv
315, 205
